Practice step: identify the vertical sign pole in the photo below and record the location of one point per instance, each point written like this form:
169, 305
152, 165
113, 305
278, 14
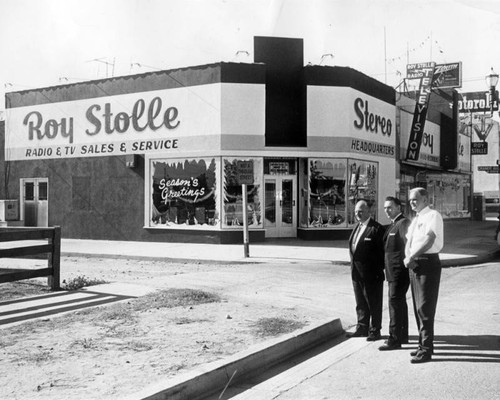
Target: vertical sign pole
245, 219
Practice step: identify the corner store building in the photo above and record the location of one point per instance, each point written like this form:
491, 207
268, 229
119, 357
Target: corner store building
160, 156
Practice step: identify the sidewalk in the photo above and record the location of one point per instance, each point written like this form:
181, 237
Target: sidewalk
306, 277
466, 242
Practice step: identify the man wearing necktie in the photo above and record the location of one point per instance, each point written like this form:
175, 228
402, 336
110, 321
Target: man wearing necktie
367, 272
398, 279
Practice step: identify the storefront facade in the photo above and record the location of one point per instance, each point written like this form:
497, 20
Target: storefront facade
444, 165
162, 156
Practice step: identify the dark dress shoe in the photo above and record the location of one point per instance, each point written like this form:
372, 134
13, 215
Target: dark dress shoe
357, 333
373, 336
390, 345
415, 352
421, 357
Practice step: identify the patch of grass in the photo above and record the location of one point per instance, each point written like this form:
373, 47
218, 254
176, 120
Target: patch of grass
137, 346
80, 282
117, 316
185, 321
40, 356
275, 326
171, 298
86, 343
19, 289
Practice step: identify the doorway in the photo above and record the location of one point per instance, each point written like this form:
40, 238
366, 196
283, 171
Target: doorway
280, 200
35, 201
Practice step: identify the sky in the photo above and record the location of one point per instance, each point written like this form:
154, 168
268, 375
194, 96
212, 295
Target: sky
52, 42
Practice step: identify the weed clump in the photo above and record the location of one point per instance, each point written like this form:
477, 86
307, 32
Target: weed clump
80, 282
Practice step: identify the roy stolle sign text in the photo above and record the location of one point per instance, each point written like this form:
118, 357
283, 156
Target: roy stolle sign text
136, 123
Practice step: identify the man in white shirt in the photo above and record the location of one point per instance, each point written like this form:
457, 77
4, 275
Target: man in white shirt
424, 242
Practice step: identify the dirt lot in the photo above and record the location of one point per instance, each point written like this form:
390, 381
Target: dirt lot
199, 313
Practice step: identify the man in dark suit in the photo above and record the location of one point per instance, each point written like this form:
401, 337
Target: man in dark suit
367, 272
396, 274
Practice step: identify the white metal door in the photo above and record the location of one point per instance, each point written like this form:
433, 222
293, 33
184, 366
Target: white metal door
280, 212
35, 201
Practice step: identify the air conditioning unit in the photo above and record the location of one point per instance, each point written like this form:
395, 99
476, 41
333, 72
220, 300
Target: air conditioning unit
9, 210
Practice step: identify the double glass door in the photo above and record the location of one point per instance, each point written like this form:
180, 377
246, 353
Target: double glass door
34, 197
280, 212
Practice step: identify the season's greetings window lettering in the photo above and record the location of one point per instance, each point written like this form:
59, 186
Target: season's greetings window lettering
233, 193
327, 199
184, 193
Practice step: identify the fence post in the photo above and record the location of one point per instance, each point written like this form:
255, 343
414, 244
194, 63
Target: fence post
54, 259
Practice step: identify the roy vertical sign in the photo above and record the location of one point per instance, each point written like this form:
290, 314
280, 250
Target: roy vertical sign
424, 72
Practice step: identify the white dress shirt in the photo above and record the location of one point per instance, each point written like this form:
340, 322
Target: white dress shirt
426, 221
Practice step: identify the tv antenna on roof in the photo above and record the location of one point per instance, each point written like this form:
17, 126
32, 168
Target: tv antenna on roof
103, 60
326, 56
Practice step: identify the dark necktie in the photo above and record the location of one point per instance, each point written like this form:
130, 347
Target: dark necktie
355, 237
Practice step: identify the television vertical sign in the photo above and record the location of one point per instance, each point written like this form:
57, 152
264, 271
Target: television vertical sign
424, 72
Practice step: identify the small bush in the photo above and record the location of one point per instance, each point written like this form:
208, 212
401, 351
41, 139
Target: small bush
80, 282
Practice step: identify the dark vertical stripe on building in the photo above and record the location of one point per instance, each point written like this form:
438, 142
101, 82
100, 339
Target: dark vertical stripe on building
285, 90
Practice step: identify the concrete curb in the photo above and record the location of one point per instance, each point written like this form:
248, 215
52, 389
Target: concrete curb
447, 263
460, 262
210, 378
157, 258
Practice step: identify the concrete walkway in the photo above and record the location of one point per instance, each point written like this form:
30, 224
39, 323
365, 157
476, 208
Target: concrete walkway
466, 242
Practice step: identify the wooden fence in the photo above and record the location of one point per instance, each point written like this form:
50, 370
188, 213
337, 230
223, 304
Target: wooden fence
52, 249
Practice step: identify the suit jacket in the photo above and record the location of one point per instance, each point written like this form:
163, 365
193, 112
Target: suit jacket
367, 260
394, 249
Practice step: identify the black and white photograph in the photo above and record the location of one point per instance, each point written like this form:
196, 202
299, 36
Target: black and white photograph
249, 199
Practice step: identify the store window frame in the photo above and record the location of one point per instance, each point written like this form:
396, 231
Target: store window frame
231, 188
187, 187
359, 181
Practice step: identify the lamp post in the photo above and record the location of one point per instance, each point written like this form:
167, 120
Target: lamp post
492, 81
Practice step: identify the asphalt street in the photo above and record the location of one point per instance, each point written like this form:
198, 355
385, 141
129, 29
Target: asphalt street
466, 363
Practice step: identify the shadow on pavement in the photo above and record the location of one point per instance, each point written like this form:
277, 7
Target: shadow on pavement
473, 348
24, 309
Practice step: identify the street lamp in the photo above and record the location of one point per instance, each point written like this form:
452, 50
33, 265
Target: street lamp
492, 81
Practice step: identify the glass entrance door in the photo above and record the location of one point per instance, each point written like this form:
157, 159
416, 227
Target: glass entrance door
34, 197
280, 199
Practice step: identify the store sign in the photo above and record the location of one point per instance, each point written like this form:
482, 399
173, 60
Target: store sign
479, 148
279, 168
447, 76
244, 171
369, 121
430, 149
472, 102
136, 123
490, 169
424, 72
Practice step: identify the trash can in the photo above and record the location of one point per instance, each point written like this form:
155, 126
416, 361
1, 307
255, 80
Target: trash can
478, 207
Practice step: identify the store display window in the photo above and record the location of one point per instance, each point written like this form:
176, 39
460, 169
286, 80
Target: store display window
449, 194
363, 184
237, 170
325, 207
184, 194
